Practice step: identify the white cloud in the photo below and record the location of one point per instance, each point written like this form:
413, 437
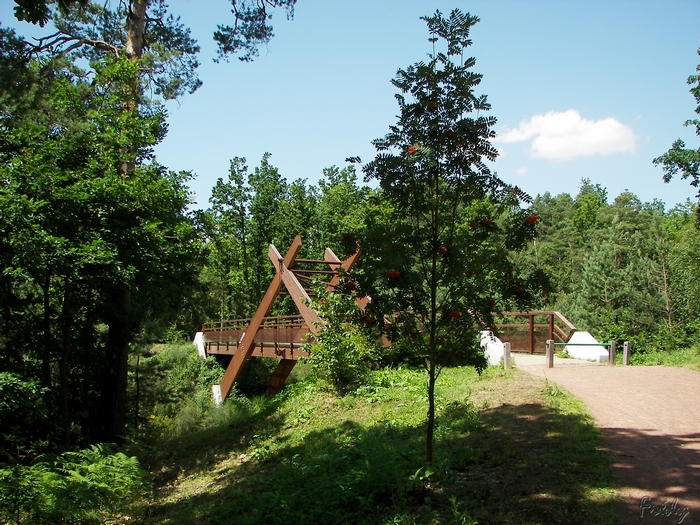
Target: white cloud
521, 171
564, 135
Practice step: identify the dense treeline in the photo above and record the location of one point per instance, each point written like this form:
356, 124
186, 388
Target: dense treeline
622, 269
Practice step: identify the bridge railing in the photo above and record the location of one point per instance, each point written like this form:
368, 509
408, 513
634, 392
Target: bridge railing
273, 321
530, 331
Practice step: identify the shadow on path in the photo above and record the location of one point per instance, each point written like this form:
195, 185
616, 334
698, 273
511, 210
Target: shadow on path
651, 468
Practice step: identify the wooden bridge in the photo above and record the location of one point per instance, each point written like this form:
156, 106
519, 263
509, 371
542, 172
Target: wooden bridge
282, 337
278, 337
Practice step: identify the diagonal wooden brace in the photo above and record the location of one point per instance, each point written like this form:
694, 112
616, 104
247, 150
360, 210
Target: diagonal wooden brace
247, 342
296, 291
347, 265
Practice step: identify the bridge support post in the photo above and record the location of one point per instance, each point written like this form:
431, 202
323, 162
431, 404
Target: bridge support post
613, 352
550, 353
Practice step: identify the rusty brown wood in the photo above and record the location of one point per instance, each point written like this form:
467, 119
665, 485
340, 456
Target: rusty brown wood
299, 272
276, 381
247, 343
317, 261
347, 265
276, 337
557, 327
332, 259
557, 316
296, 291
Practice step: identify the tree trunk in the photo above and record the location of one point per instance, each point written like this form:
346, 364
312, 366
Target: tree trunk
135, 24
667, 293
46, 356
115, 385
431, 412
63, 364
117, 350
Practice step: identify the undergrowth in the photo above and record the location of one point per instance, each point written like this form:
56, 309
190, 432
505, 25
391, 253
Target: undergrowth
679, 357
508, 451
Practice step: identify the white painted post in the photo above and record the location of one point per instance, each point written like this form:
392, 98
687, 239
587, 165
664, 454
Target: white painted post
626, 354
612, 351
216, 393
506, 356
550, 353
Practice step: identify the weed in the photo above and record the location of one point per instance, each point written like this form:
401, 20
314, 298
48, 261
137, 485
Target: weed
551, 390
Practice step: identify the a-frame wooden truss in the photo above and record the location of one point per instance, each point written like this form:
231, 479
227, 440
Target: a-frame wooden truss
278, 337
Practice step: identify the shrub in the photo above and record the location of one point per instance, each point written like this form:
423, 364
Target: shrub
23, 414
342, 353
88, 485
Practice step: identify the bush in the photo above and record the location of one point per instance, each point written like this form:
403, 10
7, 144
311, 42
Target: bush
23, 414
341, 352
89, 485
173, 394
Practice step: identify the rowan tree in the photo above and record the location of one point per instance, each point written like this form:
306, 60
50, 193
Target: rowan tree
444, 266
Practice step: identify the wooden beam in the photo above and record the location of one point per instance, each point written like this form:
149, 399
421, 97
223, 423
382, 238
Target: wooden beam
333, 261
247, 343
276, 381
296, 291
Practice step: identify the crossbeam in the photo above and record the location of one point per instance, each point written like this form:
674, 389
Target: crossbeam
278, 337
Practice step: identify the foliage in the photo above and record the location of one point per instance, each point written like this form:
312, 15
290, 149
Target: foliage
251, 28
445, 261
631, 274
24, 415
680, 158
170, 391
89, 255
506, 454
342, 352
91, 484
688, 357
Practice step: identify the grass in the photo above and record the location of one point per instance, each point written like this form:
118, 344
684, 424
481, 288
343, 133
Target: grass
681, 357
510, 449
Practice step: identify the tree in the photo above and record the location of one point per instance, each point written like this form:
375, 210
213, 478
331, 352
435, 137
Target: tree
229, 255
251, 27
149, 49
74, 232
682, 159
445, 266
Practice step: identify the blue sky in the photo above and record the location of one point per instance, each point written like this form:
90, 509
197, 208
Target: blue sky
585, 88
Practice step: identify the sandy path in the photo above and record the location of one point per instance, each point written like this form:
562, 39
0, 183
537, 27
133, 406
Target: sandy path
650, 421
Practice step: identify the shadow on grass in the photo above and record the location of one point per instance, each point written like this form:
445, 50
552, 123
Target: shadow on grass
659, 466
536, 465
512, 464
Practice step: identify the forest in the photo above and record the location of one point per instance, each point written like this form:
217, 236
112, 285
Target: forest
107, 271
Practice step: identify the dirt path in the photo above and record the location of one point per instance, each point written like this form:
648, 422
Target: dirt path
650, 421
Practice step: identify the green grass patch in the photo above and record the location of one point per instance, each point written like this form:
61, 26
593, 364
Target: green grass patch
510, 449
681, 357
